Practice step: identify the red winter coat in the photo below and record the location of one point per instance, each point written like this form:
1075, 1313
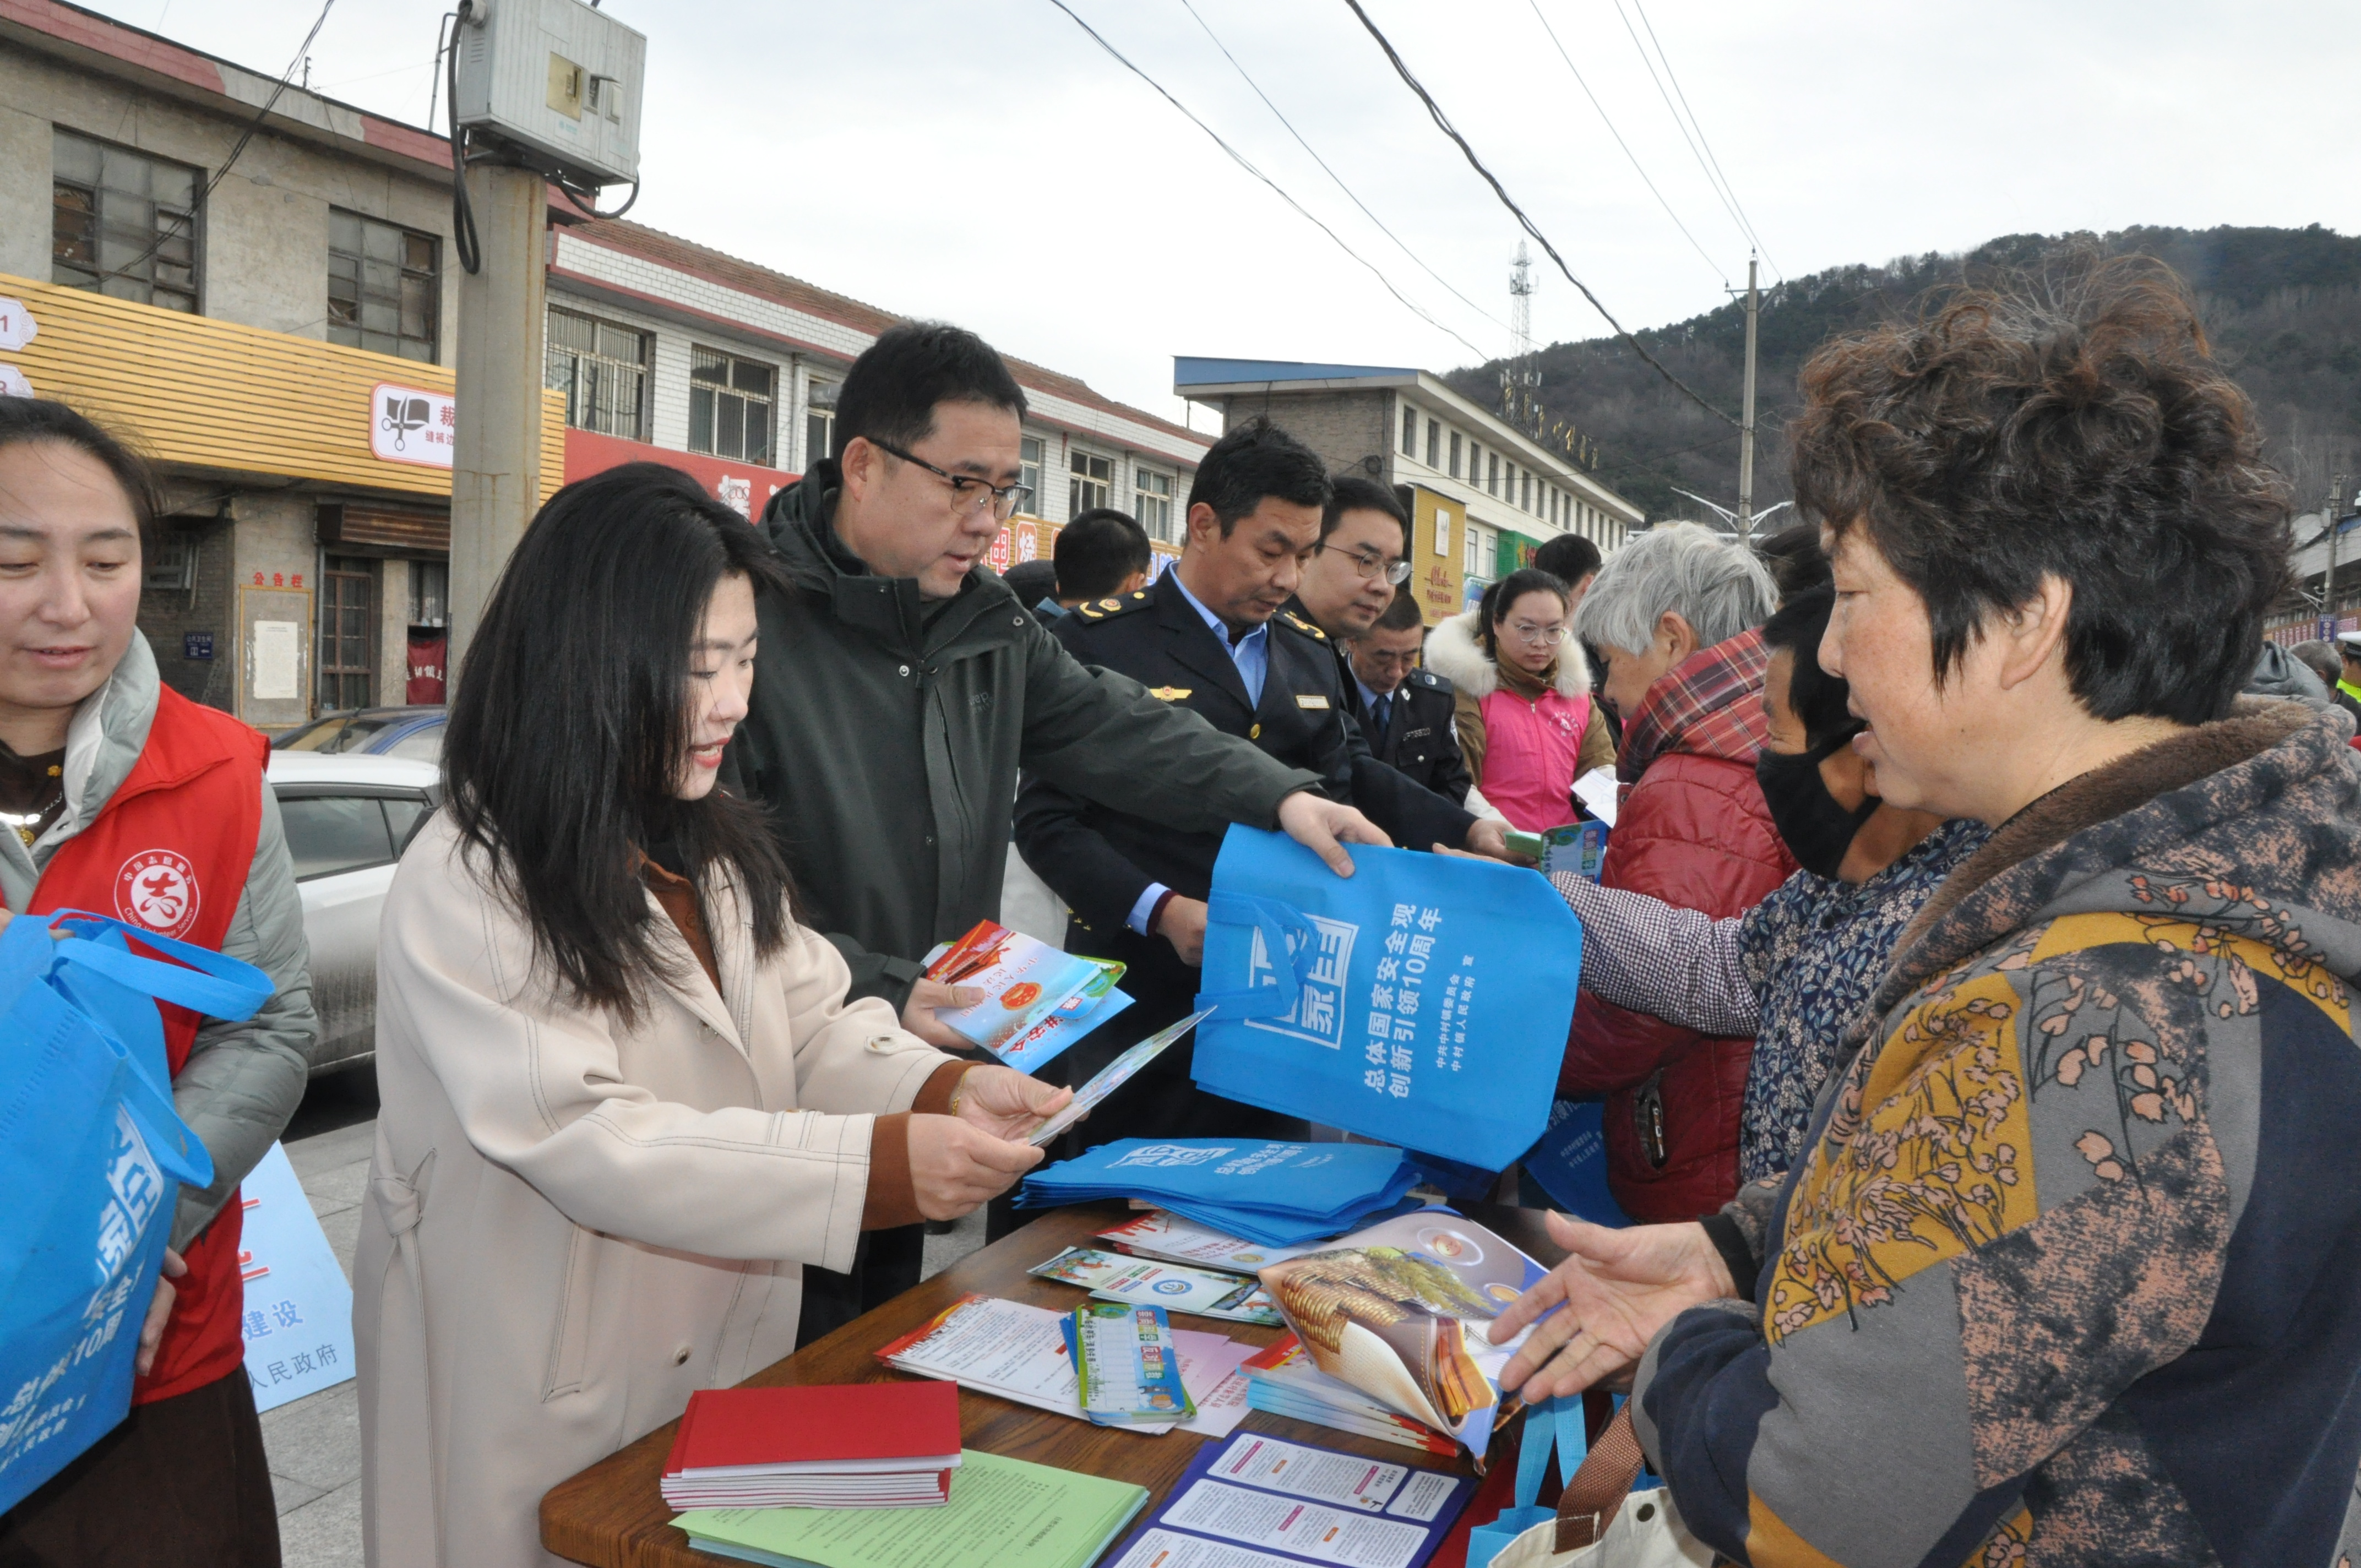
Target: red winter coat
1693, 830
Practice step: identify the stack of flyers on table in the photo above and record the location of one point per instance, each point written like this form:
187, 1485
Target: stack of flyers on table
1038, 1001
1019, 1352
1126, 1366
1174, 1286
1257, 1502
1281, 1380
1280, 1194
1401, 1312
871, 1445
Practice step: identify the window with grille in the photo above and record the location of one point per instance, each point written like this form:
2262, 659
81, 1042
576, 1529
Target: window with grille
1151, 503
346, 600
603, 368
123, 223
1028, 473
384, 287
819, 421
729, 406
1090, 481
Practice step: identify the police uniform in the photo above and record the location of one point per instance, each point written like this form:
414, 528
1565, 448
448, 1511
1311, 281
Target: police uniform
1101, 861
1421, 736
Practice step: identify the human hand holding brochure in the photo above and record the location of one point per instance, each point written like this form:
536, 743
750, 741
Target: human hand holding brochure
1038, 1000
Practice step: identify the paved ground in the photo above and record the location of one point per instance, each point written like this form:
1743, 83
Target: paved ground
315, 1444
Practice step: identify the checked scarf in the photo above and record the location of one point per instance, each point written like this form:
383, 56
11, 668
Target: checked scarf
1711, 705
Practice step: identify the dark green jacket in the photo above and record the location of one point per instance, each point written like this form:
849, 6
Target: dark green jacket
887, 730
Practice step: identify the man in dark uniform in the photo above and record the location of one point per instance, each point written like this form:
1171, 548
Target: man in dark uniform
1212, 635
1406, 711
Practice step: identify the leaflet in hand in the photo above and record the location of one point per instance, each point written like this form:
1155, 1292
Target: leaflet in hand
1114, 1076
1399, 1311
1127, 1365
1261, 1503
1025, 982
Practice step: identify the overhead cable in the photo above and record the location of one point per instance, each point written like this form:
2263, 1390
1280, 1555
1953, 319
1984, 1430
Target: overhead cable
1243, 162
1443, 122
1710, 166
1719, 269
1339, 178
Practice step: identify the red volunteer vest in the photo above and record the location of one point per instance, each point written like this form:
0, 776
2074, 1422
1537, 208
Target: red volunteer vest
170, 852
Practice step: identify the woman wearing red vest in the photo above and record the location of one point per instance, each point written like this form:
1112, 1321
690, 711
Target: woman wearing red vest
121, 796
1526, 722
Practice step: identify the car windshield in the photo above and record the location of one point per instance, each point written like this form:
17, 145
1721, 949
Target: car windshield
424, 744
344, 732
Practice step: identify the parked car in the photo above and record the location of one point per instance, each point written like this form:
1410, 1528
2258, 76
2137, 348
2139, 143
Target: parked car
371, 731
348, 819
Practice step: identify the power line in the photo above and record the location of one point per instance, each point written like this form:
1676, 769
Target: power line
1712, 171
1241, 160
1443, 121
1634, 157
1339, 178
1702, 139
183, 220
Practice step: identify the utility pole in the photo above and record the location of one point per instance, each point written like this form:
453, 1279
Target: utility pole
1746, 429
1516, 388
496, 456
2328, 583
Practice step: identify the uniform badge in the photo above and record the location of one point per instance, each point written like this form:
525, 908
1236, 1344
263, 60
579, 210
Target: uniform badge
1171, 694
1312, 700
158, 890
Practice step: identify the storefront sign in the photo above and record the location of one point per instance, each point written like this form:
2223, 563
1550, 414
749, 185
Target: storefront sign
17, 326
411, 425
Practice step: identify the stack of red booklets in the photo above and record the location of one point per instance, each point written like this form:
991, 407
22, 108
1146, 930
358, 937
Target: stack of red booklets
868, 1445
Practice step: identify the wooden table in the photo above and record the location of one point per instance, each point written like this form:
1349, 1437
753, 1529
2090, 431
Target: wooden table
612, 1516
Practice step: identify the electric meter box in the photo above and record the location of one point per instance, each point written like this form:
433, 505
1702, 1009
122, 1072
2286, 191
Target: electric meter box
557, 78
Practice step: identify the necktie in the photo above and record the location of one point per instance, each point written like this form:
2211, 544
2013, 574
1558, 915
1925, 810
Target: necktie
1385, 718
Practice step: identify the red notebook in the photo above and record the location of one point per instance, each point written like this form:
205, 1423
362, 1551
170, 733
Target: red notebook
849, 1429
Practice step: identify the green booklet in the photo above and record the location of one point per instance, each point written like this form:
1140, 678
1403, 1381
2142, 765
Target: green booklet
1002, 1511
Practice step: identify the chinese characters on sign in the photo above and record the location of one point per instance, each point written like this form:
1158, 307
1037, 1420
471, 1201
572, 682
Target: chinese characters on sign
1399, 998
1318, 1016
410, 424
298, 1323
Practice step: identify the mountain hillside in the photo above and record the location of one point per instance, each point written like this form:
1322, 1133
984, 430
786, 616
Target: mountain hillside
2281, 306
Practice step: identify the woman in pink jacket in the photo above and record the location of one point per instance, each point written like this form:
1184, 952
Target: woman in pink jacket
1526, 722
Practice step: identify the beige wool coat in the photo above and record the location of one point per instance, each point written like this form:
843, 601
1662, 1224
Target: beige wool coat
570, 1225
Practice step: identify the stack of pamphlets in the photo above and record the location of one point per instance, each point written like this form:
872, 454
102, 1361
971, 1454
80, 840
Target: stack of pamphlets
1038, 1001
1174, 1286
1019, 1353
1004, 1511
1401, 1312
1281, 1380
875, 1445
1126, 1366
1280, 1194
1257, 1502
1160, 1234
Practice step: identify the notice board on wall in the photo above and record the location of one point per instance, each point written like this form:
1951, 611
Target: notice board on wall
274, 654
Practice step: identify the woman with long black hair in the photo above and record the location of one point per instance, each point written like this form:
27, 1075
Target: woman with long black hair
624, 1099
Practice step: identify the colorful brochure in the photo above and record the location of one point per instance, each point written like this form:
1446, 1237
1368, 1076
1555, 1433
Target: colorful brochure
1111, 1277
1162, 1234
1114, 1076
1399, 1311
1074, 1017
1257, 1502
1127, 1364
1249, 1304
1025, 980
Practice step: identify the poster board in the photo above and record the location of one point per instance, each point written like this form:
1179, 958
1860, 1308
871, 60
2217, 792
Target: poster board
298, 1318
274, 657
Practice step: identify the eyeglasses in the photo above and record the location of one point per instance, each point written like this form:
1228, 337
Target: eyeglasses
1539, 636
1371, 568
968, 492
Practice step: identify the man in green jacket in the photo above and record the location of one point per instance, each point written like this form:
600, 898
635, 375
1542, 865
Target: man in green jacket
901, 690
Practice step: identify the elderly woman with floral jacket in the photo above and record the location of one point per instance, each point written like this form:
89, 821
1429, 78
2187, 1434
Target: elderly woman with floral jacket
2070, 1272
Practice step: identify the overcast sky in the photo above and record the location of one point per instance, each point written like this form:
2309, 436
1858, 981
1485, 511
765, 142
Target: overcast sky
983, 160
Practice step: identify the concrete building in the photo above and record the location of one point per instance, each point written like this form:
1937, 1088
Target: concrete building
277, 335
1483, 494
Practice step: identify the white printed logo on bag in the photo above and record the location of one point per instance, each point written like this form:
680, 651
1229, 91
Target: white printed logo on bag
138, 1185
1318, 1016
157, 889
1169, 1154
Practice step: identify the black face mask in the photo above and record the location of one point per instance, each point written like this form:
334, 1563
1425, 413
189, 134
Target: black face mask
1817, 830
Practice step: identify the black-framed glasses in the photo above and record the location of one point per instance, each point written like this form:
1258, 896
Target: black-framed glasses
1371, 568
968, 492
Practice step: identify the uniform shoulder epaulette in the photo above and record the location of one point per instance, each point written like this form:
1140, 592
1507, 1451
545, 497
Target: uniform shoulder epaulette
1108, 609
1295, 622
1423, 676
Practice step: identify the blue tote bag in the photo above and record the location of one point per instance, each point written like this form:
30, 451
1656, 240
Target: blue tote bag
1423, 1001
93, 1157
